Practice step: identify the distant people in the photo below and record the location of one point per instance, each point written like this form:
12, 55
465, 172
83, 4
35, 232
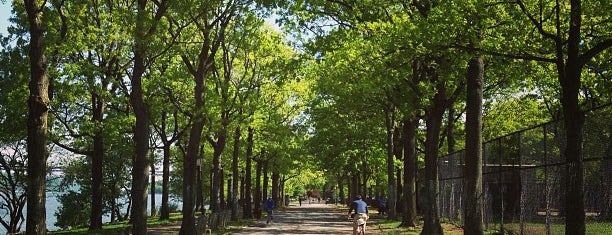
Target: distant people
382, 205
361, 212
300, 200
269, 208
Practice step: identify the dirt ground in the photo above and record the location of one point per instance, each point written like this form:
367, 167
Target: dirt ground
306, 219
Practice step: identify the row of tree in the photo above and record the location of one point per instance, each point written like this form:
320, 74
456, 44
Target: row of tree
401, 82
385, 83
113, 82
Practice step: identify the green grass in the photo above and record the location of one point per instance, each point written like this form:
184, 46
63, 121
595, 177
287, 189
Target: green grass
111, 229
592, 228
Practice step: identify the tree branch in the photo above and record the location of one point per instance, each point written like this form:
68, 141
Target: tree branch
512, 56
598, 48
535, 22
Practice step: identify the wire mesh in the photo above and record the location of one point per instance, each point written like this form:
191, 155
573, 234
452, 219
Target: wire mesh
524, 179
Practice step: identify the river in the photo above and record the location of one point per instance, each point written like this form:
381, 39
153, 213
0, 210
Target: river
53, 204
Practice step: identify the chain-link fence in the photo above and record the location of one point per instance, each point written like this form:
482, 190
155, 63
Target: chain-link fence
524, 175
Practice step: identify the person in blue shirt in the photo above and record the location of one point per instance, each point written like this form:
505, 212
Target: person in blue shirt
361, 212
382, 205
269, 208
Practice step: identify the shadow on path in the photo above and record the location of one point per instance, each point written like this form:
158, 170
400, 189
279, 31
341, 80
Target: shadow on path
305, 219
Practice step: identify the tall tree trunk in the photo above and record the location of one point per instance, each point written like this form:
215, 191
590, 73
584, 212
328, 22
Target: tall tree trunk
574, 123
248, 212
165, 209
38, 110
341, 193
257, 200
189, 165
473, 210
450, 136
235, 154
95, 219
606, 210
167, 143
265, 181
276, 196
199, 72
390, 123
410, 125
433, 124
217, 202
153, 206
140, 161
354, 186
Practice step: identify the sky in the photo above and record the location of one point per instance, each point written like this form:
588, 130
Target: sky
5, 13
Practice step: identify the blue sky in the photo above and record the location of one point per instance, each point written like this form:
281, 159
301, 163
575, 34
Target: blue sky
5, 13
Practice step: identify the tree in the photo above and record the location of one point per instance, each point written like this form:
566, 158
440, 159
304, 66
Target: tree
473, 209
561, 36
144, 29
13, 155
12, 186
38, 107
210, 29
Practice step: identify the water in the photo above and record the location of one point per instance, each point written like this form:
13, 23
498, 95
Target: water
53, 204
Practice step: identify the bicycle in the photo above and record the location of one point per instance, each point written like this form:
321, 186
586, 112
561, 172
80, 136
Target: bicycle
359, 224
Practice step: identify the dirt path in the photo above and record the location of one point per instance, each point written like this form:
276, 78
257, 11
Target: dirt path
304, 220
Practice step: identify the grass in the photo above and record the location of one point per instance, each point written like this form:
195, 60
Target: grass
384, 227
116, 228
592, 228
393, 228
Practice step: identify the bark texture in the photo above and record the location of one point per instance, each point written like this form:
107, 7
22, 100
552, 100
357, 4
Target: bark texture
473, 209
38, 110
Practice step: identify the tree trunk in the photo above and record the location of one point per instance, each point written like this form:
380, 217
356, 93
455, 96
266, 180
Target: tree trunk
431, 225
265, 181
257, 200
410, 125
95, 220
153, 207
452, 163
248, 212
574, 122
165, 209
276, 196
390, 123
190, 168
473, 210
217, 202
38, 110
140, 160
235, 154
606, 210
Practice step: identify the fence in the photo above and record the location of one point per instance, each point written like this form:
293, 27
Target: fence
523, 175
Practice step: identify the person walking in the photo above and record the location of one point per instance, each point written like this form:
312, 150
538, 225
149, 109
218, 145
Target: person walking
361, 212
269, 208
382, 205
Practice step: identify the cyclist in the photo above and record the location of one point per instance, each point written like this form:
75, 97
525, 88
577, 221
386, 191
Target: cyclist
361, 212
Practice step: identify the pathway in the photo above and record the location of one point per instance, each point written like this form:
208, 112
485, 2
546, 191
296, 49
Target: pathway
304, 220
307, 219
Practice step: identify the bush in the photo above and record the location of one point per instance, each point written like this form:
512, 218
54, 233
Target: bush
74, 210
